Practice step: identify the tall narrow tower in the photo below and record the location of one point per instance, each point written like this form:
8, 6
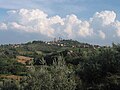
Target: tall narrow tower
55, 39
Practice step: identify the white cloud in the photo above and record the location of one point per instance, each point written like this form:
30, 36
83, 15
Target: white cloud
85, 30
103, 25
3, 26
35, 20
117, 28
71, 24
102, 34
32, 20
104, 18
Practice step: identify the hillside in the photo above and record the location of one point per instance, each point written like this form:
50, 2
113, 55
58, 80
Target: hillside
63, 61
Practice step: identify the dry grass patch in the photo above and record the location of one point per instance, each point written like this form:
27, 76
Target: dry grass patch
23, 59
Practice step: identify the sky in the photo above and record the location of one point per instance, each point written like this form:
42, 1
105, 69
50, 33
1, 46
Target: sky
91, 21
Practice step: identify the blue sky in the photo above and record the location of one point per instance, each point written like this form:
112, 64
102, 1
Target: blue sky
82, 9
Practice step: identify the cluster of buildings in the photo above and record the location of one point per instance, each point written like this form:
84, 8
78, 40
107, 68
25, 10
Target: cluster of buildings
63, 43
59, 42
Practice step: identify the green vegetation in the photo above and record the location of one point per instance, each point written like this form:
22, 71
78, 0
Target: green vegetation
60, 65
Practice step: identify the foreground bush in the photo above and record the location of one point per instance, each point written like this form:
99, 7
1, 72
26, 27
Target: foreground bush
55, 77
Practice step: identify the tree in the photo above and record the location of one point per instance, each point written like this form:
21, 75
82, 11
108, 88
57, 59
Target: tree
55, 77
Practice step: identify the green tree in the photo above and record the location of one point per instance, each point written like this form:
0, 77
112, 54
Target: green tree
55, 77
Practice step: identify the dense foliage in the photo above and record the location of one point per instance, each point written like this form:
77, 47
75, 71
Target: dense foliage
60, 67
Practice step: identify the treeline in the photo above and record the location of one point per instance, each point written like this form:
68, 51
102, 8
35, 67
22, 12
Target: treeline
79, 69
